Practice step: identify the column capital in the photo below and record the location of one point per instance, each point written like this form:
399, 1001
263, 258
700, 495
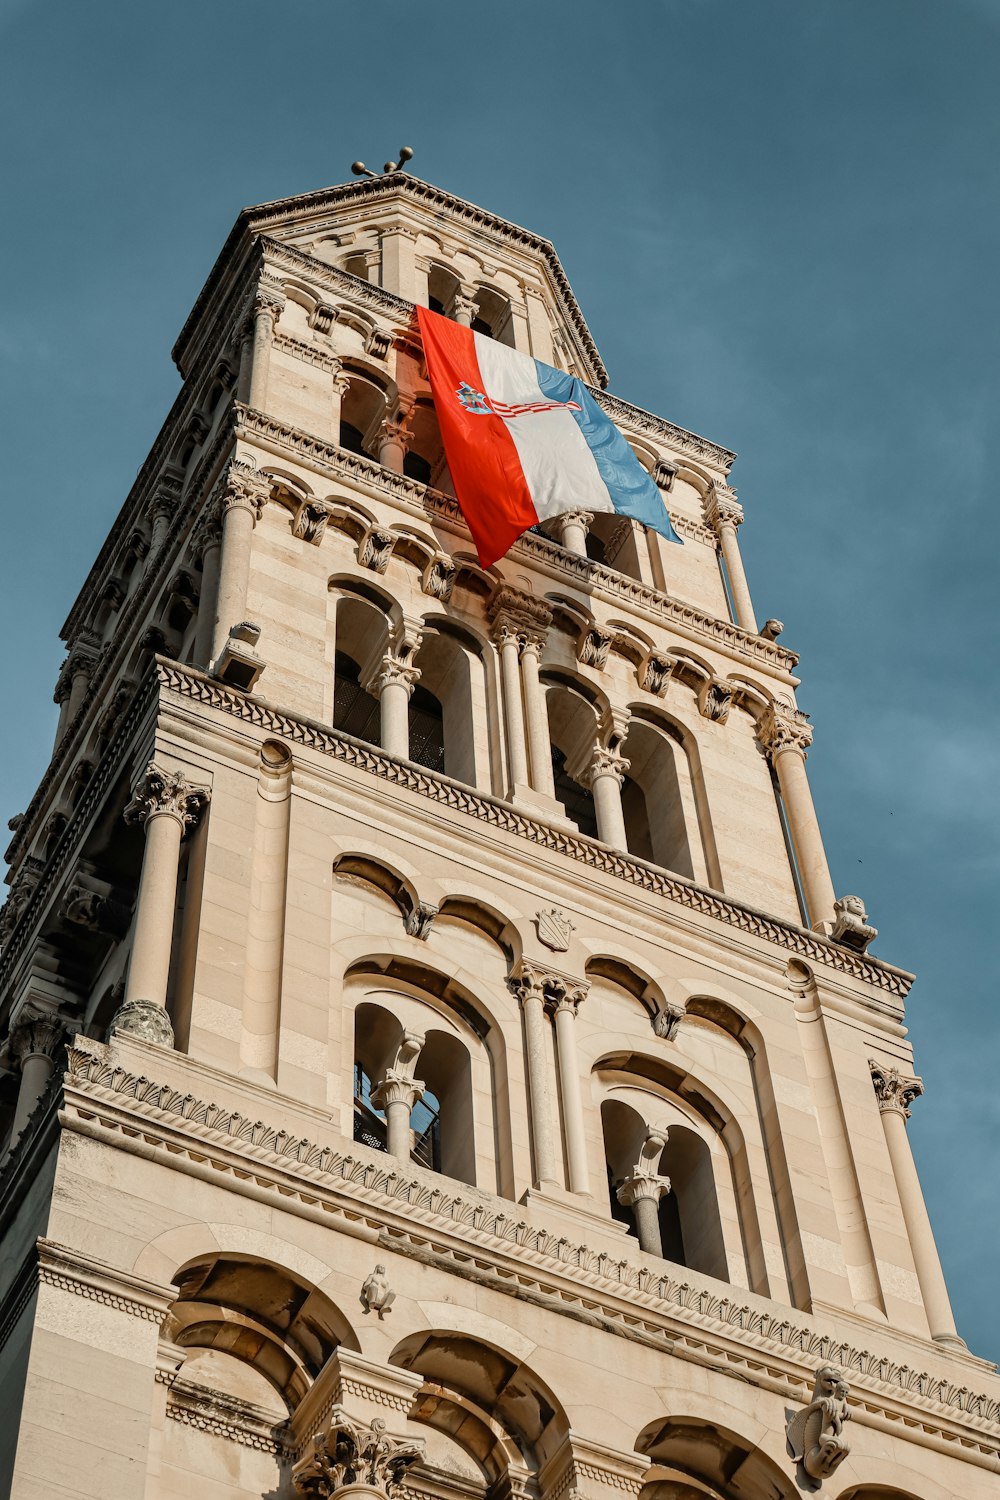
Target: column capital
397, 1088
161, 793
515, 614
722, 509
208, 530
782, 727
531, 980
390, 671
36, 1036
268, 298
593, 645
243, 487
642, 1185
715, 699
894, 1090
348, 1453
607, 762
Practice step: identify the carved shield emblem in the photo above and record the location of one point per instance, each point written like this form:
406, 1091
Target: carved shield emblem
554, 929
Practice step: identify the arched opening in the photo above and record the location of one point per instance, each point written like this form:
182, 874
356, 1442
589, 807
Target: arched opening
442, 288
699, 1460
357, 265
614, 541
424, 457
690, 1226
355, 711
362, 639
492, 316
573, 728
361, 411
653, 783
451, 699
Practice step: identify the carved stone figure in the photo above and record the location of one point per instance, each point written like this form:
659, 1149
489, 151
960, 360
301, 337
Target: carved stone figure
349, 1453
815, 1434
375, 1294
851, 926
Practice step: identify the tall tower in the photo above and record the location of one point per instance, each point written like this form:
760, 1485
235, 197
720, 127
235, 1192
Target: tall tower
437, 1064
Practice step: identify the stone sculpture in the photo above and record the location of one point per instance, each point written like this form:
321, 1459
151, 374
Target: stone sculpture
815, 1434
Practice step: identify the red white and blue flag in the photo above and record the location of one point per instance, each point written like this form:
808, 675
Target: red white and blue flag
525, 442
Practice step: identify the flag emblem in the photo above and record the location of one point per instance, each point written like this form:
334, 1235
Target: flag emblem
478, 402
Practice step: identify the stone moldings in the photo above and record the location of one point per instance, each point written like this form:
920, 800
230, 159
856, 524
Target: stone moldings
816, 1434
444, 1223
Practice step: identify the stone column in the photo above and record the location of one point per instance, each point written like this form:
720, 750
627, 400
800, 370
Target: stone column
338, 392
724, 514
394, 435
392, 682
606, 773
895, 1095
34, 1042
515, 618
786, 735
565, 1003
73, 685
537, 716
349, 1458
398, 1093
399, 268
463, 308
162, 510
207, 541
269, 299
573, 527
242, 497
167, 805
642, 1190
245, 360
528, 985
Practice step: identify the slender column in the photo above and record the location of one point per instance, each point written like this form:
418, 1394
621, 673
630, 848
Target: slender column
162, 511
642, 1190
398, 1093
242, 497
517, 618
393, 438
463, 307
785, 734
607, 773
338, 392
72, 686
573, 527
246, 360
167, 805
268, 302
517, 761
725, 514
895, 1095
527, 984
34, 1043
392, 683
565, 1009
537, 717
207, 541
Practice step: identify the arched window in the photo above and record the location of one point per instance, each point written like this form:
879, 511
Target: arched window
361, 412
426, 729
577, 800
653, 800
357, 265
355, 711
492, 316
573, 731
442, 288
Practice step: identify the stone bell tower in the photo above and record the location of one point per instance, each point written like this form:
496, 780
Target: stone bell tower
436, 1061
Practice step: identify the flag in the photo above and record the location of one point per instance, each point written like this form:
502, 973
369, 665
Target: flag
525, 442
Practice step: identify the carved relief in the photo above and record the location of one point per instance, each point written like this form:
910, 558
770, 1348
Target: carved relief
555, 929
97, 912
815, 1434
851, 926
166, 792
894, 1090
667, 1021
376, 1296
655, 671
350, 1453
242, 487
715, 699
593, 646
36, 1036
532, 980
419, 919
439, 578
144, 1019
309, 521
378, 343
375, 548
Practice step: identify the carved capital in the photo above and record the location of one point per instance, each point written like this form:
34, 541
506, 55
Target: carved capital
310, 521
894, 1091
397, 1088
166, 793
515, 615
352, 1454
655, 671
439, 577
390, 671
419, 920
782, 727
722, 509
607, 762
642, 1185
242, 487
715, 699
208, 531
36, 1036
535, 981
593, 645
375, 548
667, 1021
268, 299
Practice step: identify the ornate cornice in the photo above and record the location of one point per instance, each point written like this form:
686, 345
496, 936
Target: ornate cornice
338, 463
188, 683
528, 1262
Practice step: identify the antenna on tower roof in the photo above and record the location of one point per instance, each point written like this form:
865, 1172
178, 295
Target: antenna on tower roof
360, 170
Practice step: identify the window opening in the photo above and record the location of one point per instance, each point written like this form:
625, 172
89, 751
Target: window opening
426, 729
596, 550
671, 1238
619, 1212
369, 1125
355, 711
426, 1125
352, 439
577, 801
415, 466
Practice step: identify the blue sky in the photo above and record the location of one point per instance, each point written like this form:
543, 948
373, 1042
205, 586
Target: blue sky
781, 220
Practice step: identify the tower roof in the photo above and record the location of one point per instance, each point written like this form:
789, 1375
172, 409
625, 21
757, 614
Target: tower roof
425, 207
